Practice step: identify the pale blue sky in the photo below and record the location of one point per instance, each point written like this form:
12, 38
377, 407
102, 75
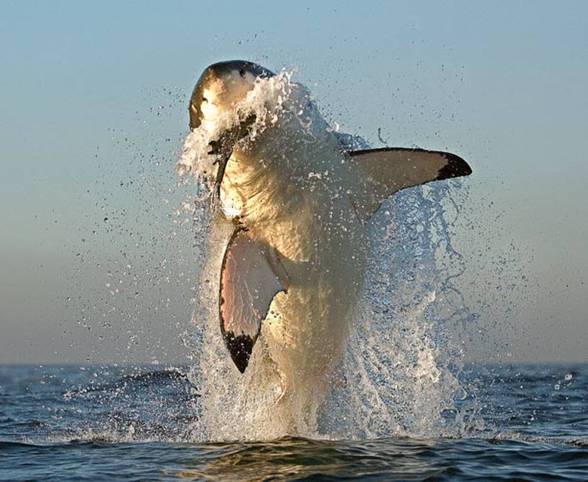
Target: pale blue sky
94, 95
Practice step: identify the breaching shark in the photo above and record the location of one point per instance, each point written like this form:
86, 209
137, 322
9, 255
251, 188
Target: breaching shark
300, 200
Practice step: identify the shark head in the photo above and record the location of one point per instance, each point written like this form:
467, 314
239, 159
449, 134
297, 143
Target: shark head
220, 88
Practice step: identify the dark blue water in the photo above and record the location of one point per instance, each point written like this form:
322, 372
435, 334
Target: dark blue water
124, 423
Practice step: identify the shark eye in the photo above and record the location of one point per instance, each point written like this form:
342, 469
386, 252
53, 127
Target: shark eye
242, 72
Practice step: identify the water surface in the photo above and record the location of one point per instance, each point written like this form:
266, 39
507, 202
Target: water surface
140, 423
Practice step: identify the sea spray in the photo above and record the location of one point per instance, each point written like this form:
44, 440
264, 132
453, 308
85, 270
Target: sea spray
400, 374
402, 325
266, 101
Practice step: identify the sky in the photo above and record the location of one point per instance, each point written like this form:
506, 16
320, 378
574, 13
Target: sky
97, 258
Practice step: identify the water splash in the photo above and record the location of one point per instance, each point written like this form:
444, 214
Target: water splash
402, 368
266, 101
401, 371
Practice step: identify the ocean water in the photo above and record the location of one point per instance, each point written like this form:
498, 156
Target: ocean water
141, 423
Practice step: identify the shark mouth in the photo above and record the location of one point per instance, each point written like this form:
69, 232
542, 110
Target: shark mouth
222, 148
215, 132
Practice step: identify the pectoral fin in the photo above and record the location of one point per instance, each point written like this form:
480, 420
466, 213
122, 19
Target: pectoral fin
382, 172
251, 275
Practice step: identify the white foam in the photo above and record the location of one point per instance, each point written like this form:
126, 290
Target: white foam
266, 100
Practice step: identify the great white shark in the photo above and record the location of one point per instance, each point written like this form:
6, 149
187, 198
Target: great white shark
300, 200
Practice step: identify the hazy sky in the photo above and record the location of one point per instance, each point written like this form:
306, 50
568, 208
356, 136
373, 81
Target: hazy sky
94, 105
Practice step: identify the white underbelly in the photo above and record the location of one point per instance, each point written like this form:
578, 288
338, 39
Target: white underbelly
320, 243
307, 328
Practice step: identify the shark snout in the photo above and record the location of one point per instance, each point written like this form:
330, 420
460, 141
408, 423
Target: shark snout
220, 88
221, 85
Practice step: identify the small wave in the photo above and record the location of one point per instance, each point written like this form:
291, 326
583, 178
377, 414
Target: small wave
539, 439
7, 445
150, 379
159, 376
